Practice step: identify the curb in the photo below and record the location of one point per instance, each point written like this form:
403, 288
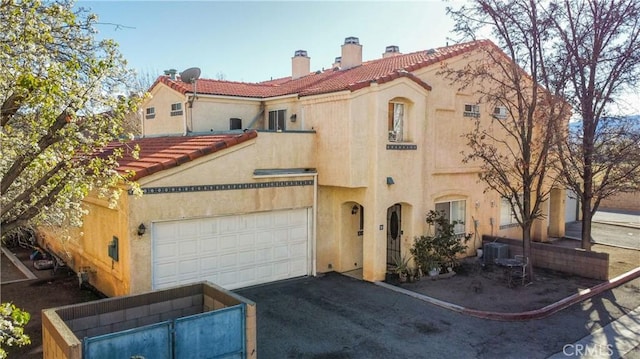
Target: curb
21, 267
619, 224
528, 315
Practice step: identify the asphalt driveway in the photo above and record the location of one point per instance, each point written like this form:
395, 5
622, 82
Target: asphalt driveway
335, 316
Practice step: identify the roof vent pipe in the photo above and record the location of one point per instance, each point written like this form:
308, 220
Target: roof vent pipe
171, 73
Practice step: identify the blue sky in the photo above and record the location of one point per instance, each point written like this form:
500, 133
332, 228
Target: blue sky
254, 41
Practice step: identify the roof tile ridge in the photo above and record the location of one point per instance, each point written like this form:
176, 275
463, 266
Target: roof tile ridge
233, 82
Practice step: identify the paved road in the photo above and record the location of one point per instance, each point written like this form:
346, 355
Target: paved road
339, 317
620, 228
610, 234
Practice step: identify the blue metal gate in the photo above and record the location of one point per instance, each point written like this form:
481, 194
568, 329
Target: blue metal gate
215, 334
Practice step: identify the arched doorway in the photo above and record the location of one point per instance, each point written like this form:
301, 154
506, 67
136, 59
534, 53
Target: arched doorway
394, 233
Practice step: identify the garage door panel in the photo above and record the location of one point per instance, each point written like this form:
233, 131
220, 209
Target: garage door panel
233, 251
264, 255
298, 250
227, 224
188, 248
247, 257
281, 252
166, 251
189, 266
264, 239
246, 240
228, 261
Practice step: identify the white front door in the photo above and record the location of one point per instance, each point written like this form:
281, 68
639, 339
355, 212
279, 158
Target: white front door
232, 251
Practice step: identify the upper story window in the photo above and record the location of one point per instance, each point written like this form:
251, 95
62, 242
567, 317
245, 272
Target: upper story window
150, 112
454, 211
471, 110
277, 120
500, 112
396, 116
176, 109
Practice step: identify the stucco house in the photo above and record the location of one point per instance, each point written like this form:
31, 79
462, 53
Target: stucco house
333, 170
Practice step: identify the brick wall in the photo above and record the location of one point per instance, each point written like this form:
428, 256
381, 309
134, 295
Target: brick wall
568, 260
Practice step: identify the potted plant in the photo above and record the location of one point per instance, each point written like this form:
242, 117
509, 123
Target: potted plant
401, 267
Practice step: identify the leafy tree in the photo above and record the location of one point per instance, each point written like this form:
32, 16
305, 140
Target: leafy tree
597, 57
12, 322
514, 147
62, 99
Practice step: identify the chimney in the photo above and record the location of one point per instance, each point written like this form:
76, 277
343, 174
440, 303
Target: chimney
171, 73
351, 53
336, 63
300, 64
390, 51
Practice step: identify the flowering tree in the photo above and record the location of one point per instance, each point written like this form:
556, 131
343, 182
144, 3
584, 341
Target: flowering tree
12, 322
62, 99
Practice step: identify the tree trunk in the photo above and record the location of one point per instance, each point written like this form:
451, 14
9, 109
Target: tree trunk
526, 249
586, 226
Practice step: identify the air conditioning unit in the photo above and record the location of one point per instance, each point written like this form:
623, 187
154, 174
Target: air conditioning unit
493, 251
393, 136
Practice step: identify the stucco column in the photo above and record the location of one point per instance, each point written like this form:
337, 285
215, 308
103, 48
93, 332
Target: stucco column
556, 213
540, 226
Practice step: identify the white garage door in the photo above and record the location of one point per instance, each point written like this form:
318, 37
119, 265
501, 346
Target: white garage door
231, 251
571, 207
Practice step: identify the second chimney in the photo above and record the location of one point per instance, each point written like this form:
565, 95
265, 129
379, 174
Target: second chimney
351, 53
390, 51
300, 64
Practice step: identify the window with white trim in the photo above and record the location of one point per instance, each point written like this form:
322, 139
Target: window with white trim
150, 112
500, 112
277, 120
507, 216
471, 110
454, 211
176, 109
396, 121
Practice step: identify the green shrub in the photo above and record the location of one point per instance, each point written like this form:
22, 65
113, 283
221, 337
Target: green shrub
441, 246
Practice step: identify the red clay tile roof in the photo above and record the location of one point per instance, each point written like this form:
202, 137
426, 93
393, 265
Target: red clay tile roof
161, 153
379, 71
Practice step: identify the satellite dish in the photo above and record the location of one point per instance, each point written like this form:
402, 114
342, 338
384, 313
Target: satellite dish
190, 75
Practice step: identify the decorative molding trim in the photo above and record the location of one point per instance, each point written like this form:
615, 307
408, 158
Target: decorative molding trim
402, 147
223, 187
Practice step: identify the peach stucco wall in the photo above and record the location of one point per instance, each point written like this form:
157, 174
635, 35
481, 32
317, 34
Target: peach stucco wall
235, 165
86, 249
163, 123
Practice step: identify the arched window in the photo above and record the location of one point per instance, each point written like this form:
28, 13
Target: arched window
396, 116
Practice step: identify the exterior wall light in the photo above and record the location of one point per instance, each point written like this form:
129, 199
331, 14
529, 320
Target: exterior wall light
354, 210
141, 229
390, 180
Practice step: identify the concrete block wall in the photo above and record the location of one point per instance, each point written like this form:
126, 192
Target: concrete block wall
129, 318
63, 328
568, 260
